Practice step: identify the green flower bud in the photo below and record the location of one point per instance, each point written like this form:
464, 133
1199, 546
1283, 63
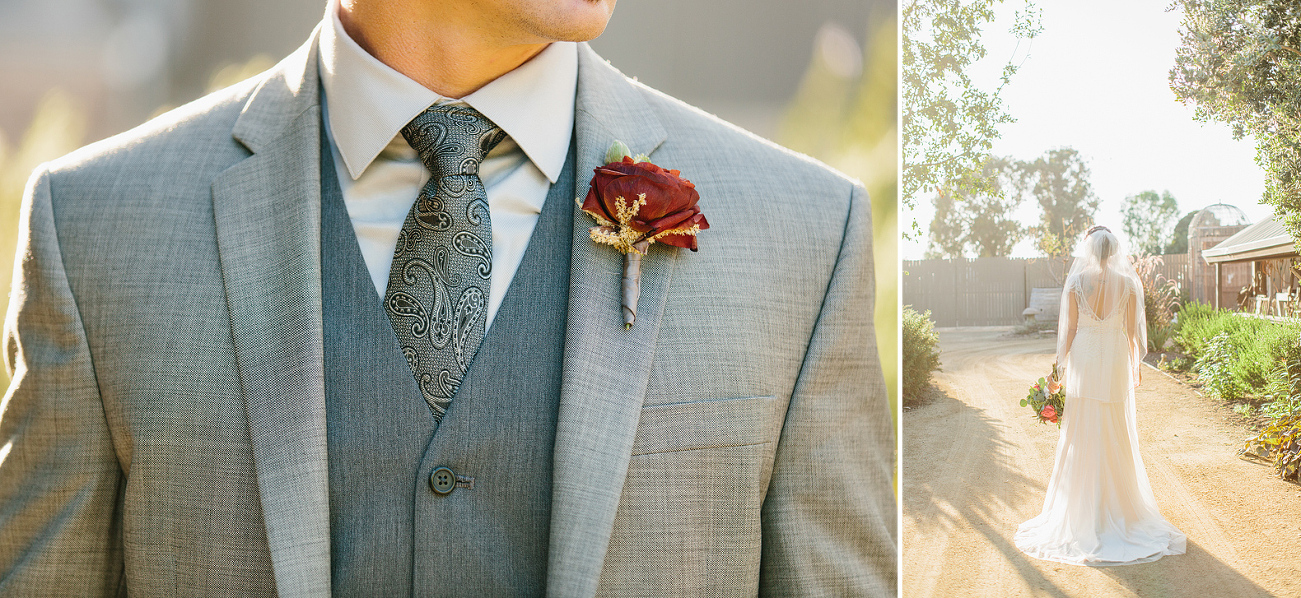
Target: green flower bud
618, 150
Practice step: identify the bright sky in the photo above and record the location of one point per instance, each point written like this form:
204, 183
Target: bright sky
1097, 80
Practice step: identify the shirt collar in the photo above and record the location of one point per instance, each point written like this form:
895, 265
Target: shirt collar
369, 102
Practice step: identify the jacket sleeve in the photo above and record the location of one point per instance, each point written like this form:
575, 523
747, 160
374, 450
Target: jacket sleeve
59, 474
829, 519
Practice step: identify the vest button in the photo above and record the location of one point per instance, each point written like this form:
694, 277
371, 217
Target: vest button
442, 481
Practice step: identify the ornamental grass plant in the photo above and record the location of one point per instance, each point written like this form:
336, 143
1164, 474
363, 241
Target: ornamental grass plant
1161, 301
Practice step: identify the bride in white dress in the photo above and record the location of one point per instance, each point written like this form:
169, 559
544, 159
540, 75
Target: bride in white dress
1099, 509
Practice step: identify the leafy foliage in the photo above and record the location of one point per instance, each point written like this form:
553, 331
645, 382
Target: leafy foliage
979, 222
1059, 182
1256, 356
921, 353
1240, 63
975, 214
1179, 239
949, 121
1283, 390
1214, 368
1278, 444
1198, 322
1147, 218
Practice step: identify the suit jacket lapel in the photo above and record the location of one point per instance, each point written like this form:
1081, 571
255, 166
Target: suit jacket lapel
606, 368
267, 213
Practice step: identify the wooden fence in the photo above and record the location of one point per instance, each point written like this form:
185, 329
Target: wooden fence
993, 291
1175, 267
987, 291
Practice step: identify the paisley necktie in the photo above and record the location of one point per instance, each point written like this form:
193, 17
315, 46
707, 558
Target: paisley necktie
437, 294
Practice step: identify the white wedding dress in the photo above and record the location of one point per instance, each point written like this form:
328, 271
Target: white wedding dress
1099, 509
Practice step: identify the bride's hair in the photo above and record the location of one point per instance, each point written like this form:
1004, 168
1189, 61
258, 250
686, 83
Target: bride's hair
1104, 242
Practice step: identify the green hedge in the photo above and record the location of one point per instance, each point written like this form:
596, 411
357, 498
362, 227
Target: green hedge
1235, 356
1241, 357
921, 353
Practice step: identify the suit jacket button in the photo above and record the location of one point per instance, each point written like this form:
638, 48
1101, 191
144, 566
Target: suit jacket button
442, 481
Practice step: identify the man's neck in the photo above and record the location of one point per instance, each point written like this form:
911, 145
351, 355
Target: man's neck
444, 50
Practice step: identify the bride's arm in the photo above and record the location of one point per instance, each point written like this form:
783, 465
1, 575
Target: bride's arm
1072, 315
1131, 330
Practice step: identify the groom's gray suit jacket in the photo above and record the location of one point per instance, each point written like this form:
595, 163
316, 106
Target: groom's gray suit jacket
165, 432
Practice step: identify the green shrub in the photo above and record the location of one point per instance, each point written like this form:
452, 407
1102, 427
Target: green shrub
1268, 347
1283, 389
1158, 336
1214, 368
1198, 323
1237, 356
921, 353
1279, 443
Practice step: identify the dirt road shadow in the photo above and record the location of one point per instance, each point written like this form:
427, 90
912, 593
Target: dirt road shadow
936, 502
1169, 577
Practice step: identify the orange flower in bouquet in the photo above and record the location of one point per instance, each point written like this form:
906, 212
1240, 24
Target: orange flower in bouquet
1047, 398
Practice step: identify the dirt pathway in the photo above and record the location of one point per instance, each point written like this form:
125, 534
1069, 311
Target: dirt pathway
975, 465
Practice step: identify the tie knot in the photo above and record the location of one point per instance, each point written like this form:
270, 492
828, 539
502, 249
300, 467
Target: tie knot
452, 140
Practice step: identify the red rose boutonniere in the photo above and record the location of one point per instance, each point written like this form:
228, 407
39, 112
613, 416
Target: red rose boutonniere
635, 204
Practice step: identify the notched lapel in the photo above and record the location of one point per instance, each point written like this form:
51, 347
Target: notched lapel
268, 220
606, 368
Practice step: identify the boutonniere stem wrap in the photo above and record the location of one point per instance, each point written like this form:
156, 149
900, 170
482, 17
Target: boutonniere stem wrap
637, 204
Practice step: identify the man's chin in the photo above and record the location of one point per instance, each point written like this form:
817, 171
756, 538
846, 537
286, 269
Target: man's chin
583, 36
583, 20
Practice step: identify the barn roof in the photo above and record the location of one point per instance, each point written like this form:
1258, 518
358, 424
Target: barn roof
1263, 240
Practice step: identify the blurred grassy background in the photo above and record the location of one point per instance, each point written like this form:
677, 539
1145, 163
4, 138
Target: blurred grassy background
845, 115
57, 127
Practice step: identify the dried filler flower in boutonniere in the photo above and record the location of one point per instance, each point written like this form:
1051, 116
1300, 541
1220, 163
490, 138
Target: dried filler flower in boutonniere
635, 204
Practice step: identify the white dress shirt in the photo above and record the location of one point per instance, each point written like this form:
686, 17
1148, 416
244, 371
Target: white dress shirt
366, 105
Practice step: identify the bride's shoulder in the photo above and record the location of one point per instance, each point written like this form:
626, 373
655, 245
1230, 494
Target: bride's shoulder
1133, 283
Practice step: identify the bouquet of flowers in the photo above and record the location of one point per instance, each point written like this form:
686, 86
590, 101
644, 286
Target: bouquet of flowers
1047, 398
